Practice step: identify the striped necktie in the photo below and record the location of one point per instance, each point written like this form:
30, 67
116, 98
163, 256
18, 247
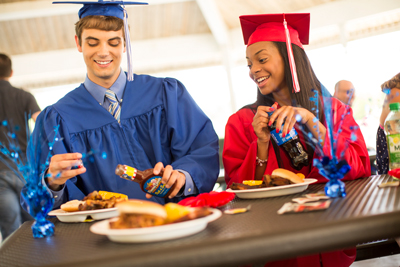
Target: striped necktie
114, 108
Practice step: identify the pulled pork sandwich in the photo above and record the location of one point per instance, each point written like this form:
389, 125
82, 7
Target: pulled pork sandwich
278, 177
138, 214
141, 213
282, 177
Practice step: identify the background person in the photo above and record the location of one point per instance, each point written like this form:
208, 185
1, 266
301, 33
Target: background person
150, 122
392, 90
15, 106
249, 151
343, 90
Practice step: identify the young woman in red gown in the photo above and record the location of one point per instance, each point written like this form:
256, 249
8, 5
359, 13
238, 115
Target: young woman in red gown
249, 151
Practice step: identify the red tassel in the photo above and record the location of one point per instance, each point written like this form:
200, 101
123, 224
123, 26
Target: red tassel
292, 63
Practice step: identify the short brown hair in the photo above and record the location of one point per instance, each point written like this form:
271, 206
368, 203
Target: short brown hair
392, 83
104, 23
5, 66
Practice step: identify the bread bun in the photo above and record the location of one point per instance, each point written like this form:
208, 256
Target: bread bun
141, 207
294, 178
72, 205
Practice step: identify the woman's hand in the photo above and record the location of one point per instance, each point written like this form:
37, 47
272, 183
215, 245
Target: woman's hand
260, 123
287, 115
301, 115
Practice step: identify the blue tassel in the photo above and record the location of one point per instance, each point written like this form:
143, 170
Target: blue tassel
128, 46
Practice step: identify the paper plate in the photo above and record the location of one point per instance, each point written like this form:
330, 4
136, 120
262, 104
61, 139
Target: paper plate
81, 216
156, 233
273, 191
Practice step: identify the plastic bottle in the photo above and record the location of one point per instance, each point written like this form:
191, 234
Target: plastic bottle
291, 144
392, 130
149, 182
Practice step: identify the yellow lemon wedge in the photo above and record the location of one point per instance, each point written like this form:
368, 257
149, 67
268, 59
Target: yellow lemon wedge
175, 211
108, 195
300, 175
252, 182
395, 140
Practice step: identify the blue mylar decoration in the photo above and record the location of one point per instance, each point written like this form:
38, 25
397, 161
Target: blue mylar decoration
332, 166
29, 170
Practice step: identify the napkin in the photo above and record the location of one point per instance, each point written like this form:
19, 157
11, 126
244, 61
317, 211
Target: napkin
395, 173
213, 199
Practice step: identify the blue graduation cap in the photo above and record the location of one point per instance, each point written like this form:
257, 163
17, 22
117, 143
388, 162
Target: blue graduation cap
109, 8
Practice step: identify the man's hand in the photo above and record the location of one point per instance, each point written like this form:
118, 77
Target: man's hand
60, 169
169, 178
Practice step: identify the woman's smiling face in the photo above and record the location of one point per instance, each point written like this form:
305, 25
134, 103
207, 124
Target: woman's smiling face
266, 67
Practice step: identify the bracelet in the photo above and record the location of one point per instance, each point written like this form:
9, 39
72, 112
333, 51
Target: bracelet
260, 162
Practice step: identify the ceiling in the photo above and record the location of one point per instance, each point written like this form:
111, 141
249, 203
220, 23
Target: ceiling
172, 34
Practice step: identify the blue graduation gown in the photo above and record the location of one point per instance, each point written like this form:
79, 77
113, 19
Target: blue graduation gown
160, 122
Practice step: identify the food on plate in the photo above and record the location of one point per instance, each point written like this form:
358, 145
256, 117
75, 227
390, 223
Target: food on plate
194, 213
94, 201
138, 214
175, 211
252, 182
72, 205
278, 177
282, 177
108, 195
142, 213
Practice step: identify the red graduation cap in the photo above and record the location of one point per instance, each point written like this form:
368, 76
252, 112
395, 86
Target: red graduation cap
293, 28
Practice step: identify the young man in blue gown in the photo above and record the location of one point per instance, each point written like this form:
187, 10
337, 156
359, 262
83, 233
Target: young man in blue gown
155, 123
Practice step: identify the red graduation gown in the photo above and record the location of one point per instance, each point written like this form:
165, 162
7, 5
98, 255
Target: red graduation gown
239, 159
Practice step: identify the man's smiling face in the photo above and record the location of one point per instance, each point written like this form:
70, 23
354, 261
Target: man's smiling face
102, 52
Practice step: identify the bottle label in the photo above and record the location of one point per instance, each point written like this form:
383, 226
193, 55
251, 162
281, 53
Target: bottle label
281, 140
278, 136
154, 187
394, 148
129, 173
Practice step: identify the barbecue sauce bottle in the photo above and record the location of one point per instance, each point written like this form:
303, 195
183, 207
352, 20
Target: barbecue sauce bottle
149, 182
291, 144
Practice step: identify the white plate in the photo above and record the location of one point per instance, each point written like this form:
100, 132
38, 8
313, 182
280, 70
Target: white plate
81, 216
155, 233
273, 191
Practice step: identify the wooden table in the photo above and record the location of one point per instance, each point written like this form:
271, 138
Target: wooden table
368, 213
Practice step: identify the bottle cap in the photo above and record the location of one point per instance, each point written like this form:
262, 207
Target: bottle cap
394, 106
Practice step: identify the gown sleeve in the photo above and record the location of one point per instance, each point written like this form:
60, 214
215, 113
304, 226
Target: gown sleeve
240, 149
193, 140
239, 153
48, 119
